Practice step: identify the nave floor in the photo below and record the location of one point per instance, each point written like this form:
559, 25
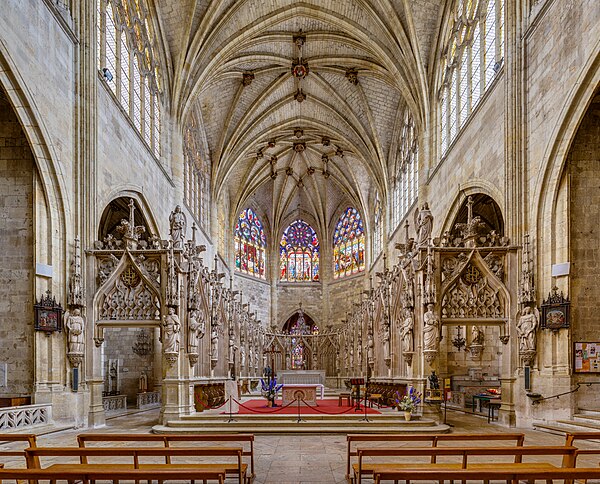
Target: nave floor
296, 459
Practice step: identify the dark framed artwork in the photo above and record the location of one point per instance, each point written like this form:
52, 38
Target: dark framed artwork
555, 311
48, 314
586, 357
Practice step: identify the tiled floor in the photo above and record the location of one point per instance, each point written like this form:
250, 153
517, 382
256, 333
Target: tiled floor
282, 459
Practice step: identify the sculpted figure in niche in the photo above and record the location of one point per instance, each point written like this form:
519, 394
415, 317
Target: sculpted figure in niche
75, 326
424, 225
214, 344
171, 330
476, 335
430, 329
243, 356
231, 348
178, 224
195, 331
370, 345
386, 341
526, 328
406, 331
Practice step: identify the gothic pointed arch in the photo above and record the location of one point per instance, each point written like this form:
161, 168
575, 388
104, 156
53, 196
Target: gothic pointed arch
348, 244
473, 289
299, 253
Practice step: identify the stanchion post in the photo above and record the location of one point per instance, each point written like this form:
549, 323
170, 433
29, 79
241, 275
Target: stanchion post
300, 419
365, 418
230, 419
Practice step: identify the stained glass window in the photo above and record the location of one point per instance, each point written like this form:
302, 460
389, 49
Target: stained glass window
406, 181
299, 253
474, 56
134, 74
348, 245
250, 244
297, 325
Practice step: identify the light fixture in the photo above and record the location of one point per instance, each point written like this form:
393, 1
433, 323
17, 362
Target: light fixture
459, 342
107, 74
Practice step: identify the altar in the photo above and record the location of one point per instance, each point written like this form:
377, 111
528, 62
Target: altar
307, 393
301, 377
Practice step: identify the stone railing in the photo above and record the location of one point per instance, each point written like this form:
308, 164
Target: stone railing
25, 416
148, 399
115, 403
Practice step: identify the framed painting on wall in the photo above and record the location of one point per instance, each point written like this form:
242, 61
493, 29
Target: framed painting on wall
555, 311
48, 314
587, 357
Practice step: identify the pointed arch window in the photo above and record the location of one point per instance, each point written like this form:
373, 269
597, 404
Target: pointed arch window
377, 228
128, 63
474, 56
406, 180
250, 244
299, 253
348, 244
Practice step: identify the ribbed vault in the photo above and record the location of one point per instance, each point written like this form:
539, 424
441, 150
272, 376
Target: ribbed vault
300, 102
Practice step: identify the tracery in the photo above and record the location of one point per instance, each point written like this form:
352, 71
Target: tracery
128, 64
473, 57
299, 253
348, 244
250, 244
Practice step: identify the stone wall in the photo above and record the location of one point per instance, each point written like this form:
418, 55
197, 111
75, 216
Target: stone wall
584, 170
258, 293
118, 346
16, 260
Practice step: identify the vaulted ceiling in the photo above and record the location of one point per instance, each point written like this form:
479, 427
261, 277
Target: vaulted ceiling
300, 101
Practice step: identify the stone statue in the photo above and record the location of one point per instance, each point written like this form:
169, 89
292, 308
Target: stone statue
386, 341
370, 347
406, 331
143, 383
251, 356
214, 344
231, 348
526, 328
195, 331
424, 226
430, 330
243, 356
476, 335
178, 225
171, 330
75, 327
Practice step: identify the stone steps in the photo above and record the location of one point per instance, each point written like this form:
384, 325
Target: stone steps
288, 424
584, 421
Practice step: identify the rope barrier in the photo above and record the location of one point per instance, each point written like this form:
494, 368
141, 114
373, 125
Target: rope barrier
328, 413
210, 407
259, 411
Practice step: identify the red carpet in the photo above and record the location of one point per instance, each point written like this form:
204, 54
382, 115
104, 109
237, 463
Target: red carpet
327, 406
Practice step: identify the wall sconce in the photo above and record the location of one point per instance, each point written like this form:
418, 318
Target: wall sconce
459, 342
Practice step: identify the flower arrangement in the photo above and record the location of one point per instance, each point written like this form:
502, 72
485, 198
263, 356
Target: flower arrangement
269, 388
410, 401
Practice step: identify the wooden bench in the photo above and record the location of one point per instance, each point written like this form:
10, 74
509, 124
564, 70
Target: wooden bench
472, 475
464, 453
433, 439
238, 468
107, 474
168, 439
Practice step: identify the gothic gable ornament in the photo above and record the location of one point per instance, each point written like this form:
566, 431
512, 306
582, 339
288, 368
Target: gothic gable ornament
556, 311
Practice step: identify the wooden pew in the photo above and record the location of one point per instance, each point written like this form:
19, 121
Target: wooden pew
472, 475
432, 439
80, 474
167, 439
136, 453
463, 453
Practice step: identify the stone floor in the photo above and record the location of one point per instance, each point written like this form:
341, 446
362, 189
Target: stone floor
283, 459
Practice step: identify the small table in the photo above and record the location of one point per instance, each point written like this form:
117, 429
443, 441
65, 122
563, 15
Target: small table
343, 396
375, 398
491, 407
